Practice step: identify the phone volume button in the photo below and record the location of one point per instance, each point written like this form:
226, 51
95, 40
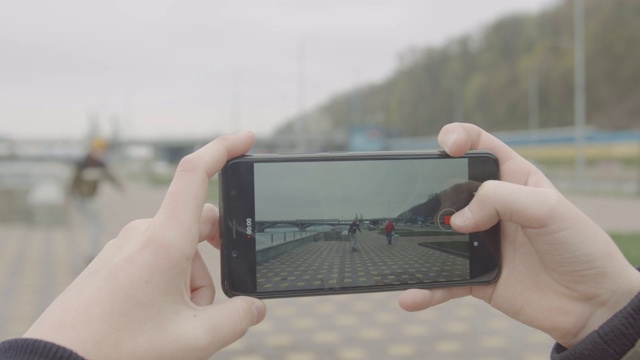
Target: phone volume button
233, 231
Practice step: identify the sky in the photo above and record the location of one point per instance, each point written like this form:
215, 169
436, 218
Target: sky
340, 190
167, 69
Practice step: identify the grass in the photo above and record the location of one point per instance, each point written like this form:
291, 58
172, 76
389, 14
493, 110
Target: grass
630, 246
628, 243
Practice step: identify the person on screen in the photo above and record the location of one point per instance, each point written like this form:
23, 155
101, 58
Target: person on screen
389, 229
353, 228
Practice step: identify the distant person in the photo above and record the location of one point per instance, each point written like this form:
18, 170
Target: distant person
389, 229
352, 233
89, 173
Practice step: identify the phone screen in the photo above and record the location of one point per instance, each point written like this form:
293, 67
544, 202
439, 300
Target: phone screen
313, 226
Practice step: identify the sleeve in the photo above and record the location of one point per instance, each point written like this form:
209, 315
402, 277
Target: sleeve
611, 341
35, 349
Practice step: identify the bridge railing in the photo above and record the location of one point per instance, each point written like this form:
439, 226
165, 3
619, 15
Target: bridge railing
267, 239
266, 251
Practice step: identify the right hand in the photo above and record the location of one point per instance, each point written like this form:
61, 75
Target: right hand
561, 273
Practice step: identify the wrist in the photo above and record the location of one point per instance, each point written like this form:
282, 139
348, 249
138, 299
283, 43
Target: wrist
606, 308
614, 339
29, 348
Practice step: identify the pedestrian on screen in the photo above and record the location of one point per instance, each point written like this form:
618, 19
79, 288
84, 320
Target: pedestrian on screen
352, 232
388, 229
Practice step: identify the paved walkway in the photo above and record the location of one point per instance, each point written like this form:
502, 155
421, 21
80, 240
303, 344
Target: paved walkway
330, 264
38, 262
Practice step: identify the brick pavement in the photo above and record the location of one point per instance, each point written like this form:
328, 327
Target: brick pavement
38, 262
329, 264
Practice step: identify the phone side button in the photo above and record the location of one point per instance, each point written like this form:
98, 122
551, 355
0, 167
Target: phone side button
233, 231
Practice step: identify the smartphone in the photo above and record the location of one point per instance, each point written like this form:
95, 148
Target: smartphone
335, 223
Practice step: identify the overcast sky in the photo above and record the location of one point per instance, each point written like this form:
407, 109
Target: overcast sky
193, 68
340, 190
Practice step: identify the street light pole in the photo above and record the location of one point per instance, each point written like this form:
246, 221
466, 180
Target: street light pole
534, 106
579, 89
301, 121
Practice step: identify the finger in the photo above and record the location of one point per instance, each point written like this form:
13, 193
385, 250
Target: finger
201, 285
499, 200
182, 206
458, 138
230, 320
418, 299
209, 225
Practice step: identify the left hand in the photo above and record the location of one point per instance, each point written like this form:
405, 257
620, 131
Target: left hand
148, 294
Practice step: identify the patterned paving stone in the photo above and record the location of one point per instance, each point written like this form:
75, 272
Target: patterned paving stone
327, 264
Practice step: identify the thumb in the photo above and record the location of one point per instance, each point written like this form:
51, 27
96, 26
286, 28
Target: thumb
499, 200
420, 299
230, 320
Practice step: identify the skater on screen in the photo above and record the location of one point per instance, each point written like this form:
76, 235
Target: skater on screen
352, 232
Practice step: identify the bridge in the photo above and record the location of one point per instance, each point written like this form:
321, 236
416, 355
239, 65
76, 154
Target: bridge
303, 224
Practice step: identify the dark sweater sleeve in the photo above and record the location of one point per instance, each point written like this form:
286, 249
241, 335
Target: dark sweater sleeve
34, 349
611, 341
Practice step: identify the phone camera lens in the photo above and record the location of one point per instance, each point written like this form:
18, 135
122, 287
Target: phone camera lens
234, 253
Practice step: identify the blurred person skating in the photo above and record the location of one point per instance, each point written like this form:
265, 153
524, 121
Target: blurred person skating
353, 228
89, 173
388, 229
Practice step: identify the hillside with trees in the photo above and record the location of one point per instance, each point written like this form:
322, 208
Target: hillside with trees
489, 78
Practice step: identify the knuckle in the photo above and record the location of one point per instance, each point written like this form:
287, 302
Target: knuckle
188, 164
486, 189
551, 201
210, 210
134, 226
109, 245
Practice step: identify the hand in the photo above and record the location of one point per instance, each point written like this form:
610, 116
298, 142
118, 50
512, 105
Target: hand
148, 294
560, 272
